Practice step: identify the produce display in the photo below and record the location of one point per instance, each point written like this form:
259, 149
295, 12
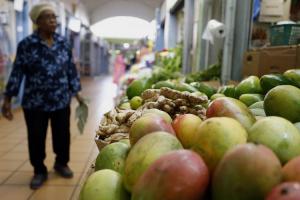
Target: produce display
183, 139
115, 124
213, 72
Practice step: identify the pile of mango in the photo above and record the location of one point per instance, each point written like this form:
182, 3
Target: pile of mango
252, 91
270, 95
247, 147
229, 155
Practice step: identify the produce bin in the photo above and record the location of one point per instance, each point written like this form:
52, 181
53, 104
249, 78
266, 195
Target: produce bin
286, 34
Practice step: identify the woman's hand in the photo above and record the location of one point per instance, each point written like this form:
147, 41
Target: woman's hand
6, 108
79, 98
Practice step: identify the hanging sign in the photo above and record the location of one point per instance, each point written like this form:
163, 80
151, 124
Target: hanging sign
274, 10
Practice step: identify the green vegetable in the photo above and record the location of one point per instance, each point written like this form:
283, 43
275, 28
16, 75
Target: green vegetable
168, 67
213, 72
171, 63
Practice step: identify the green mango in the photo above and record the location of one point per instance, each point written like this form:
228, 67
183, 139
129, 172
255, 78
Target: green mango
259, 104
137, 87
227, 90
125, 106
148, 83
230, 107
205, 88
294, 76
161, 84
246, 172
297, 126
250, 99
270, 81
250, 85
258, 112
283, 101
185, 87
217, 95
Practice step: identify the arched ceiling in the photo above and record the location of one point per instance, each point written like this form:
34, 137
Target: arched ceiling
101, 9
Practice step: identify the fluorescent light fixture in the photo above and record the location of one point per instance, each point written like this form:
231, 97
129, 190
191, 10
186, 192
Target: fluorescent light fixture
74, 24
122, 27
126, 45
18, 5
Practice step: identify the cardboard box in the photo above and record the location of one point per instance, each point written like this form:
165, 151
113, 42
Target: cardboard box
271, 60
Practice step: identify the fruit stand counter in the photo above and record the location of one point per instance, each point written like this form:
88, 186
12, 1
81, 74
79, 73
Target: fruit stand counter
238, 141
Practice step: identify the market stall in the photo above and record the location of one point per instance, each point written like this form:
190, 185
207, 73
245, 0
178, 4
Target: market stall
274, 38
173, 131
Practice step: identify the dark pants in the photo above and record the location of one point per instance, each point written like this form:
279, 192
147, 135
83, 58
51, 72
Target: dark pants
37, 124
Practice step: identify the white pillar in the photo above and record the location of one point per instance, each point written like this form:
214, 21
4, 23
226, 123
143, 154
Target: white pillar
229, 40
170, 26
159, 41
188, 35
242, 34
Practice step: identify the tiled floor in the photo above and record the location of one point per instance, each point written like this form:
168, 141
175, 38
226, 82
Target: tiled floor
15, 169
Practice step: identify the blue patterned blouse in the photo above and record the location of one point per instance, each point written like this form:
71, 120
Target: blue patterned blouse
50, 75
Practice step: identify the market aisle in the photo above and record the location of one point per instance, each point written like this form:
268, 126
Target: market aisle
15, 169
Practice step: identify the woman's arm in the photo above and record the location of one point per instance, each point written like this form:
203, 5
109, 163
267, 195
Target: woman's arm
14, 82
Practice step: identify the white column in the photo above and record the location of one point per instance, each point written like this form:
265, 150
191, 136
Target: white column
229, 40
242, 34
188, 35
170, 26
159, 40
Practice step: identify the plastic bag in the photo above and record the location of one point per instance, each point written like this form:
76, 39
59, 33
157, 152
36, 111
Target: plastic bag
256, 9
81, 115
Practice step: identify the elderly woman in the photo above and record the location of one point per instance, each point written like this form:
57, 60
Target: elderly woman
44, 59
